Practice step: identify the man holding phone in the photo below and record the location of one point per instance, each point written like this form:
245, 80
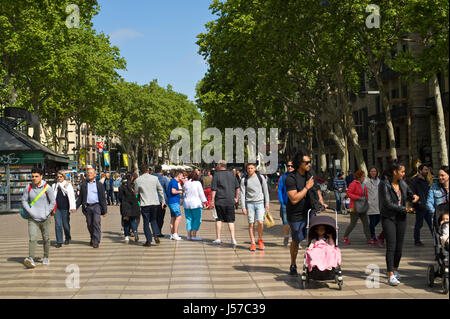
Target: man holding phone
300, 199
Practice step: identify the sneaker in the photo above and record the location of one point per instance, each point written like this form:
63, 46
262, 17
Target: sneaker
419, 243
157, 241
46, 261
29, 262
176, 237
253, 247
233, 243
136, 236
260, 244
189, 238
393, 281
217, 242
127, 238
58, 245
381, 242
373, 241
286, 241
293, 270
346, 241
397, 275
66, 242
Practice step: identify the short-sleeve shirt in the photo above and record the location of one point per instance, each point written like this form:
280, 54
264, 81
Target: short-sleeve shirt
173, 198
297, 212
225, 184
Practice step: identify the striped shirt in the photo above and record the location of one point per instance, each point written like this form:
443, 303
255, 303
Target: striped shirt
339, 183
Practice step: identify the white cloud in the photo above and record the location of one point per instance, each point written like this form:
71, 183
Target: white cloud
125, 34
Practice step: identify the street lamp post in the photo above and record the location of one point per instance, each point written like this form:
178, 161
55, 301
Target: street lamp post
118, 161
76, 158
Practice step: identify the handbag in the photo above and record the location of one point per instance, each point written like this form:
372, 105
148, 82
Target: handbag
362, 204
115, 189
268, 219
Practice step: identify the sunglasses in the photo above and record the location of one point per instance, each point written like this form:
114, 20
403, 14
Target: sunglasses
307, 163
290, 166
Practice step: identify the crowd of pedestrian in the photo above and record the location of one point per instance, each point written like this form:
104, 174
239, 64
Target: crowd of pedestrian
377, 199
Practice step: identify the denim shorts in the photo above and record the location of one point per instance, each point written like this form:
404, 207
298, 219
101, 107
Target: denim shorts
255, 211
175, 210
298, 230
283, 215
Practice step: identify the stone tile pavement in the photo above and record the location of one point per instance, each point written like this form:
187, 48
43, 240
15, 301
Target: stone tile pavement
187, 269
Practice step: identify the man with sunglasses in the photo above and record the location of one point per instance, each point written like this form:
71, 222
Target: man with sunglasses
303, 194
283, 199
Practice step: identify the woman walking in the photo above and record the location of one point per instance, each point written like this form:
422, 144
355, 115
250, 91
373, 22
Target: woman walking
357, 191
117, 181
372, 194
394, 193
65, 205
194, 199
129, 207
438, 193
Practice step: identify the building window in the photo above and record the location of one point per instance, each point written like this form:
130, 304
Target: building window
405, 47
404, 91
379, 141
388, 142
397, 137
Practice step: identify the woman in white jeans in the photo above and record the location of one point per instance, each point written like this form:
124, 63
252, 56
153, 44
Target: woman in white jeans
193, 201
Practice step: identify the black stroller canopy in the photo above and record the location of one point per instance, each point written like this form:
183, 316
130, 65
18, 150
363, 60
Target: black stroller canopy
322, 220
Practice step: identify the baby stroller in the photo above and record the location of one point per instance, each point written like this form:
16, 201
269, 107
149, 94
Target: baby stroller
334, 274
440, 268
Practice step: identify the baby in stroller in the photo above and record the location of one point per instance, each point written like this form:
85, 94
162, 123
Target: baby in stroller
443, 222
321, 252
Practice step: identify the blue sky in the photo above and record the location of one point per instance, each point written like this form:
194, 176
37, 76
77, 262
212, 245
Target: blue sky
157, 38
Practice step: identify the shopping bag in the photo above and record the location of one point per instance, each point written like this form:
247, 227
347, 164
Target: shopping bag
268, 219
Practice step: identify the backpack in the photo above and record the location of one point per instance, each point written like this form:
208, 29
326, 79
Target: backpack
260, 181
24, 214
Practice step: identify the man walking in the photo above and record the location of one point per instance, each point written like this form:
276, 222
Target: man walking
38, 200
93, 202
300, 198
108, 185
224, 195
150, 191
283, 198
339, 186
254, 195
162, 208
419, 185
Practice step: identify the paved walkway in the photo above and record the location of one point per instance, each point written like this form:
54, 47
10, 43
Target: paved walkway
188, 269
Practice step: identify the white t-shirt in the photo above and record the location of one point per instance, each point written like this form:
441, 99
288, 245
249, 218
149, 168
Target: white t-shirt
194, 196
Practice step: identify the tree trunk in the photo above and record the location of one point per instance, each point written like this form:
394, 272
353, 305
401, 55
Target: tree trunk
321, 147
440, 122
36, 126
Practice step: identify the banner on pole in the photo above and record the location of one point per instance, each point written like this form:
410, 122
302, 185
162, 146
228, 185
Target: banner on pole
125, 160
100, 146
82, 158
106, 156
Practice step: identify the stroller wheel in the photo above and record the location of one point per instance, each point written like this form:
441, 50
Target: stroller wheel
430, 276
340, 285
445, 284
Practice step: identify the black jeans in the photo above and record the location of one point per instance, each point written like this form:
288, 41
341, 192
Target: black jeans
394, 234
420, 216
160, 217
109, 197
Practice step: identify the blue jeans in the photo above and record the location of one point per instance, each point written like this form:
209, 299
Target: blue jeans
373, 222
116, 197
149, 213
130, 223
62, 221
338, 200
283, 214
420, 216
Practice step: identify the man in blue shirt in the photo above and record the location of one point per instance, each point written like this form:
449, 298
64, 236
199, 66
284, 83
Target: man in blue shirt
339, 186
283, 198
93, 202
161, 210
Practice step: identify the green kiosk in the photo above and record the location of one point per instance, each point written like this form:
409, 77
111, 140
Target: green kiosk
19, 153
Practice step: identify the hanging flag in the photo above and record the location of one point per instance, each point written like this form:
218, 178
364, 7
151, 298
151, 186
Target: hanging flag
100, 146
82, 158
125, 160
106, 156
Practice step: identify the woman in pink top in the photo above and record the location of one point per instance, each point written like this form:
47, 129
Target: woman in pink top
356, 190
